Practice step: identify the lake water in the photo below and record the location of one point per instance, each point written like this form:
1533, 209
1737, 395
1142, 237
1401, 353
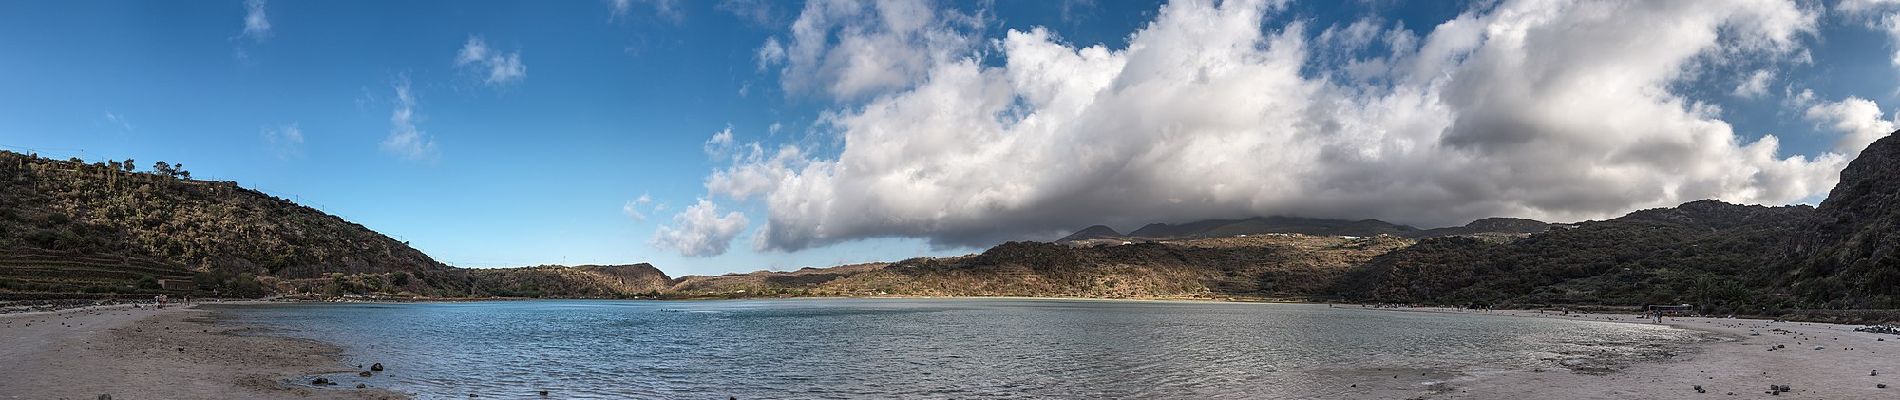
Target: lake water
932, 348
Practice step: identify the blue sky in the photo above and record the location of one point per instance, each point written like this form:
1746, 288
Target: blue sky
538, 148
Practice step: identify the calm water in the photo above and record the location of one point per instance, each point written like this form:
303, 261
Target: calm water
924, 348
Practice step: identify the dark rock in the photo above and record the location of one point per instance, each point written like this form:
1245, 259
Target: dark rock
364, 374
105, 397
378, 367
1880, 385
360, 386
543, 393
1698, 389
321, 381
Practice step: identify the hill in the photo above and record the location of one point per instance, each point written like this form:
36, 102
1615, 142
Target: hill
1260, 266
1721, 257
1704, 252
105, 225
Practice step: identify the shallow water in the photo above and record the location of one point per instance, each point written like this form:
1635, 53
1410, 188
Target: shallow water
928, 348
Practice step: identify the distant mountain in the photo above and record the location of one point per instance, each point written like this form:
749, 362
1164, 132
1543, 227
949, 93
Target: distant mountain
1260, 266
1259, 225
1305, 226
1091, 233
1488, 226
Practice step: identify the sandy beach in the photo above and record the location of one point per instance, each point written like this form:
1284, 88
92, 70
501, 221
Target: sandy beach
147, 353
1814, 361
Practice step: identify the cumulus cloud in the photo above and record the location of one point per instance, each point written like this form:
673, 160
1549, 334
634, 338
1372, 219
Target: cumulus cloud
1858, 121
852, 49
405, 139
1755, 85
1554, 110
720, 145
285, 142
256, 24
496, 67
700, 230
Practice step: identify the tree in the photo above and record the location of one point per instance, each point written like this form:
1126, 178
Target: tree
128, 166
178, 171
162, 168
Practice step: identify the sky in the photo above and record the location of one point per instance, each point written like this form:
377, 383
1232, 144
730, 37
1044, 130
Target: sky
711, 137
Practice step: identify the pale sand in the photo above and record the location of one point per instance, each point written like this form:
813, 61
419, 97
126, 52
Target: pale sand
145, 353
1736, 360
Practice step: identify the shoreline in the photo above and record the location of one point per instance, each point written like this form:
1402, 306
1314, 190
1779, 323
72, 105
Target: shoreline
1814, 360
143, 352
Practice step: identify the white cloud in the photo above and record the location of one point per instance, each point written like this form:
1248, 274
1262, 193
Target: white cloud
1755, 85
405, 138
497, 68
668, 9
1857, 120
284, 141
1864, 6
1543, 109
770, 53
756, 12
720, 145
700, 230
633, 208
852, 49
118, 120
1882, 15
256, 24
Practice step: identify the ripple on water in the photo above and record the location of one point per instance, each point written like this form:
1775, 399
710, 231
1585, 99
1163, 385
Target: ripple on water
935, 348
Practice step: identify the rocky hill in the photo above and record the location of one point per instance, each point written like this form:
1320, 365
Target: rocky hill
1851, 249
1722, 257
1703, 252
94, 213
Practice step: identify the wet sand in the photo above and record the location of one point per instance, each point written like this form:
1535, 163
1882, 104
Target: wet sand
145, 353
1735, 360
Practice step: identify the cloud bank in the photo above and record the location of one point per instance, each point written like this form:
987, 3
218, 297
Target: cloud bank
1555, 110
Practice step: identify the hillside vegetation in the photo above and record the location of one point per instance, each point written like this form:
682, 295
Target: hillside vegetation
102, 225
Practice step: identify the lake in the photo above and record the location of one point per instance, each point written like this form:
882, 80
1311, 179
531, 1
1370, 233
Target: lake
936, 348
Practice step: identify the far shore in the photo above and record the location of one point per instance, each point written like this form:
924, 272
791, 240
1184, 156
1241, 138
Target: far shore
183, 352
